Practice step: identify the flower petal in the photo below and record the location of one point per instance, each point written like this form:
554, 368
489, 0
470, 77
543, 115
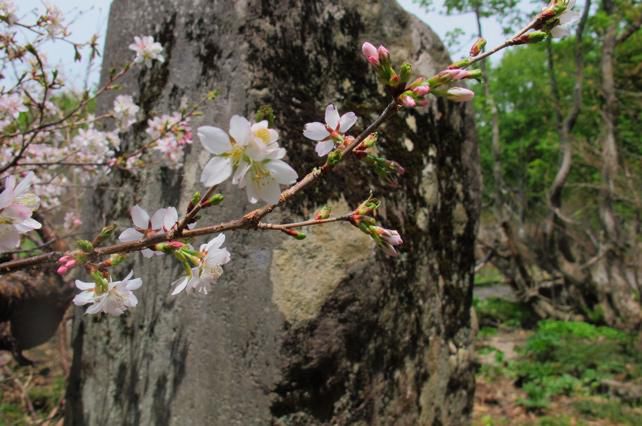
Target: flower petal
28, 225
214, 140
170, 218
139, 216
282, 172
315, 131
218, 256
239, 174
214, 243
216, 171
347, 121
134, 284
157, 219
82, 285
332, 117
323, 148
83, 298
240, 129
181, 286
130, 234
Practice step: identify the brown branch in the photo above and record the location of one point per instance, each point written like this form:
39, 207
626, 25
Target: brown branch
311, 222
250, 220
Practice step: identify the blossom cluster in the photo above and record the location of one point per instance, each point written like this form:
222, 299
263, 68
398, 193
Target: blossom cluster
16, 208
250, 154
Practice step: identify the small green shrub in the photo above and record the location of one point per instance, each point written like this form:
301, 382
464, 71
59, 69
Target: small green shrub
496, 311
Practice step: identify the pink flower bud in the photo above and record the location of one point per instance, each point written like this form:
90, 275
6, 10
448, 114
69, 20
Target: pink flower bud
70, 264
384, 54
421, 90
407, 101
373, 60
62, 270
175, 244
66, 258
369, 51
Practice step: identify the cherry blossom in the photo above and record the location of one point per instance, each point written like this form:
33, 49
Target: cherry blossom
332, 131
251, 154
114, 300
209, 270
16, 208
12, 105
162, 220
53, 21
172, 133
388, 239
264, 173
8, 10
566, 18
147, 50
125, 111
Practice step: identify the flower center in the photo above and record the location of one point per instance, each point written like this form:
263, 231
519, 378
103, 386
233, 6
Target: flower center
263, 134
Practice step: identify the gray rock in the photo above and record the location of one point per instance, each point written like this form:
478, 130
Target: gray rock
320, 331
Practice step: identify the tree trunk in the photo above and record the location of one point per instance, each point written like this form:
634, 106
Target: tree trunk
320, 331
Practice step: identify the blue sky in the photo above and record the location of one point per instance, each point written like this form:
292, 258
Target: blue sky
90, 16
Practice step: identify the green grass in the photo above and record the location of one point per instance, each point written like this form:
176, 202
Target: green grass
611, 410
572, 358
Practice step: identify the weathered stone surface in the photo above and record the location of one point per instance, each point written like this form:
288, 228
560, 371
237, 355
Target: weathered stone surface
337, 334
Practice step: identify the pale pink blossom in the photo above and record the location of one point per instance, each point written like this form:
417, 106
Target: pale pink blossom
332, 131
125, 111
53, 21
250, 155
16, 207
118, 297
147, 50
12, 105
162, 220
201, 278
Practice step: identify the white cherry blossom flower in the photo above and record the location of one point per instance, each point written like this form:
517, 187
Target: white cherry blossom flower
209, 271
264, 173
12, 105
332, 131
117, 298
161, 220
125, 111
8, 10
53, 21
147, 50
16, 207
250, 155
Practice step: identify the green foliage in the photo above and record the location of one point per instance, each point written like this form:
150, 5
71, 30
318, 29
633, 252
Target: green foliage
488, 276
10, 414
612, 410
497, 311
572, 358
